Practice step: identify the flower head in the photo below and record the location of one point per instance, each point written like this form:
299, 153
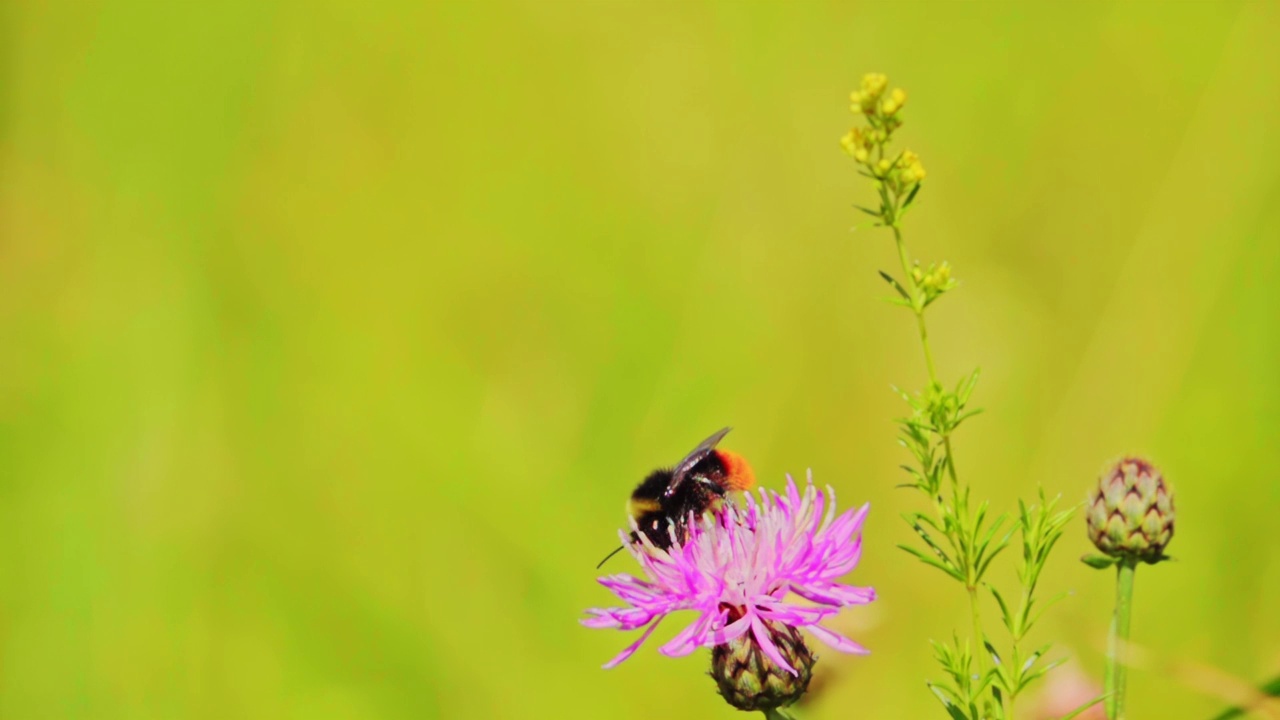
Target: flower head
736, 570
1131, 512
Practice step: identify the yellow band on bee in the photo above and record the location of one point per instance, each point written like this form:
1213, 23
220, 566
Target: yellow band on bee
638, 507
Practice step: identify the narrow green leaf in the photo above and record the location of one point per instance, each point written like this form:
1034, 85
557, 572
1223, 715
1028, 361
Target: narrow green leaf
933, 562
1039, 613
1083, 707
966, 386
1027, 679
1099, 562
896, 286
911, 196
924, 535
1004, 609
991, 649
949, 703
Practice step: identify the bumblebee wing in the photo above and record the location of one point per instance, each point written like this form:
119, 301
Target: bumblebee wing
704, 449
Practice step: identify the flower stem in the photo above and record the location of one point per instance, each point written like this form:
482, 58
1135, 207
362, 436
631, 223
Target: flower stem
776, 714
978, 649
961, 499
1116, 648
905, 259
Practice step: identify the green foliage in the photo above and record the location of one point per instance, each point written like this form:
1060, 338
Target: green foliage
1041, 528
959, 539
962, 696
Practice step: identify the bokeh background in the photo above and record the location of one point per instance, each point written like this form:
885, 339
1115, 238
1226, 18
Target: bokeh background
333, 335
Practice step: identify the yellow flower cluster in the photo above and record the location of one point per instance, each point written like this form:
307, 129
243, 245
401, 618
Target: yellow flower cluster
894, 102
873, 86
868, 100
934, 281
910, 171
880, 106
858, 142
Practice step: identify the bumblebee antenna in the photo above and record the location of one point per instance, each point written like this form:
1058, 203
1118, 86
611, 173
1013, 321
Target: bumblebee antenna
606, 557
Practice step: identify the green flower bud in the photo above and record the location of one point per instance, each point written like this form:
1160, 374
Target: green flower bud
749, 680
1131, 513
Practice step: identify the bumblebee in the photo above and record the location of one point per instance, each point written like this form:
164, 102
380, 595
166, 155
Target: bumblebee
696, 485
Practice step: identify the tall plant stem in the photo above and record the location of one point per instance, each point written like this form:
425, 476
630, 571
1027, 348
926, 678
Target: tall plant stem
978, 648
1117, 670
961, 498
905, 259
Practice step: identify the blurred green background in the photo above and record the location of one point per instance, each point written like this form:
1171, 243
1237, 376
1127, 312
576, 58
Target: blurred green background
334, 335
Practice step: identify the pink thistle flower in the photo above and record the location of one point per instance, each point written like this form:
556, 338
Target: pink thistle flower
736, 569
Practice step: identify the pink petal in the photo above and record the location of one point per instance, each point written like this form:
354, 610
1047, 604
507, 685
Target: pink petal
732, 631
794, 614
839, 642
691, 637
630, 589
793, 495
761, 634
847, 524
631, 649
834, 593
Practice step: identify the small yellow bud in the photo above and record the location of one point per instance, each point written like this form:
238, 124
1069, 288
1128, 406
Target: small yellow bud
910, 171
868, 99
849, 142
895, 101
873, 84
884, 165
857, 142
936, 280
917, 275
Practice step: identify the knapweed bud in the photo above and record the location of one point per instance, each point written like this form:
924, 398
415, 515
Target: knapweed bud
1131, 512
749, 680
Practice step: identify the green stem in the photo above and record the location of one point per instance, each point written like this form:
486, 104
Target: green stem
961, 503
775, 714
979, 649
1116, 647
905, 259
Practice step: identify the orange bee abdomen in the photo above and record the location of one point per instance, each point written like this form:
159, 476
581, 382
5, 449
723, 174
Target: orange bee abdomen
738, 474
